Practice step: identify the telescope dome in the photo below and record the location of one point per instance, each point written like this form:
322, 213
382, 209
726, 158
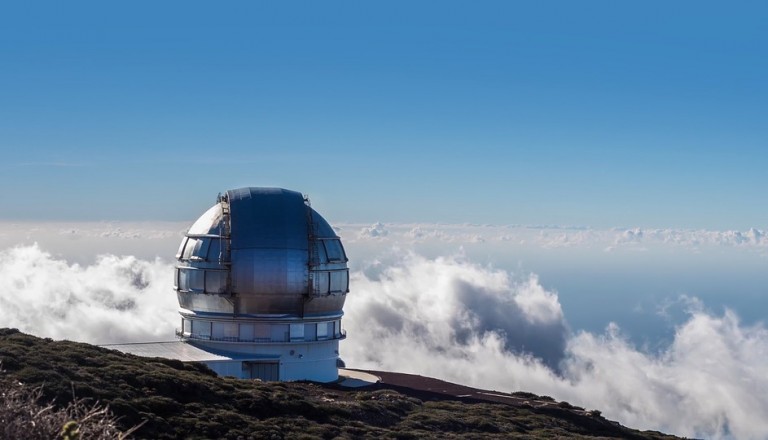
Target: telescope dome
262, 251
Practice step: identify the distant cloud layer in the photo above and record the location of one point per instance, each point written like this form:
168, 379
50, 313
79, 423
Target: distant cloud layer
150, 239
548, 236
373, 231
444, 315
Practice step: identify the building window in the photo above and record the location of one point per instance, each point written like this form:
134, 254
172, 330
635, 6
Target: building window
297, 332
192, 243
226, 331
322, 283
263, 333
334, 250
181, 248
279, 332
214, 250
339, 281
183, 279
321, 256
310, 332
215, 281
201, 329
246, 333
196, 249
322, 330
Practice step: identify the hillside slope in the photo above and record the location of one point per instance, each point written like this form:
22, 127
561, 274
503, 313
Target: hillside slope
179, 400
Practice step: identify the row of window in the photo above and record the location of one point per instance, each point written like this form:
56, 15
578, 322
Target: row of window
329, 250
205, 249
330, 283
201, 280
190, 279
261, 332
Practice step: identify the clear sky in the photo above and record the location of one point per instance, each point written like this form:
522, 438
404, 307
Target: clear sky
597, 113
644, 121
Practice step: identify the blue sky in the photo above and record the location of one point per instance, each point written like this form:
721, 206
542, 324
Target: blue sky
646, 116
580, 113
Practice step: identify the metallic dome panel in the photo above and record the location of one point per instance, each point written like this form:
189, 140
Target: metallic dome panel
268, 218
262, 251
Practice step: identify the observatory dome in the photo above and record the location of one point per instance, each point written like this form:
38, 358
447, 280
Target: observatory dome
262, 252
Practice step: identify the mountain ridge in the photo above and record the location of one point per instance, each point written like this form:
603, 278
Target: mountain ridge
171, 399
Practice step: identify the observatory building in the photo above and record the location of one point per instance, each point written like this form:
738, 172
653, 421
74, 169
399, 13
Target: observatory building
261, 281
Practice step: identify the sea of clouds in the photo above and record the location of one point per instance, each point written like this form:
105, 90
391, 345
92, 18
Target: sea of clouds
456, 320
423, 311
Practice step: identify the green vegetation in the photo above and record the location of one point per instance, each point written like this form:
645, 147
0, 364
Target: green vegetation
23, 415
177, 400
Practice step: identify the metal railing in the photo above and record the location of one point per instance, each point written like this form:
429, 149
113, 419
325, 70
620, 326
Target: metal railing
199, 337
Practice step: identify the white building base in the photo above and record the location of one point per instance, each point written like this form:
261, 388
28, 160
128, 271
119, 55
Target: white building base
315, 361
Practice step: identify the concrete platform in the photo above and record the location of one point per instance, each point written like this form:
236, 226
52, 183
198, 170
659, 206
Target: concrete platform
356, 379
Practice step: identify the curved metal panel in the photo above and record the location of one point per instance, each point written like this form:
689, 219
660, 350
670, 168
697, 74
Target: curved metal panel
208, 223
269, 218
262, 251
321, 227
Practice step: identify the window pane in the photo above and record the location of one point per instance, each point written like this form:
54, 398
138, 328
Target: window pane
246, 332
192, 243
196, 279
279, 332
320, 249
202, 248
201, 329
338, 281
321, 283
213, 249
215, 281
322, 330
183, 279
334, 250
181, 248
297, 332
262, 332
225, 330
310, 332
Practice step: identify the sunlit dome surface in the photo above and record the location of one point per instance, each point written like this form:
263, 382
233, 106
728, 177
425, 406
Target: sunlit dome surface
262, 251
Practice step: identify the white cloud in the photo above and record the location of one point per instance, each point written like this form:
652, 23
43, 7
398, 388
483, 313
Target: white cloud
81, 241
377, 230
554, 237
708, 383
455, 320
439, 316
117, 299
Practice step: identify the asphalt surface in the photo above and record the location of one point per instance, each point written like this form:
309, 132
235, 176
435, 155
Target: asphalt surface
428, 388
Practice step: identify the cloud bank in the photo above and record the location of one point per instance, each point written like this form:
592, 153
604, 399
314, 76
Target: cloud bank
116, 299
445, 317
552, 236
462, 322
448, 306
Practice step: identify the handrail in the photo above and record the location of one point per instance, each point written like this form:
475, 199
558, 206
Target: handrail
179, 333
